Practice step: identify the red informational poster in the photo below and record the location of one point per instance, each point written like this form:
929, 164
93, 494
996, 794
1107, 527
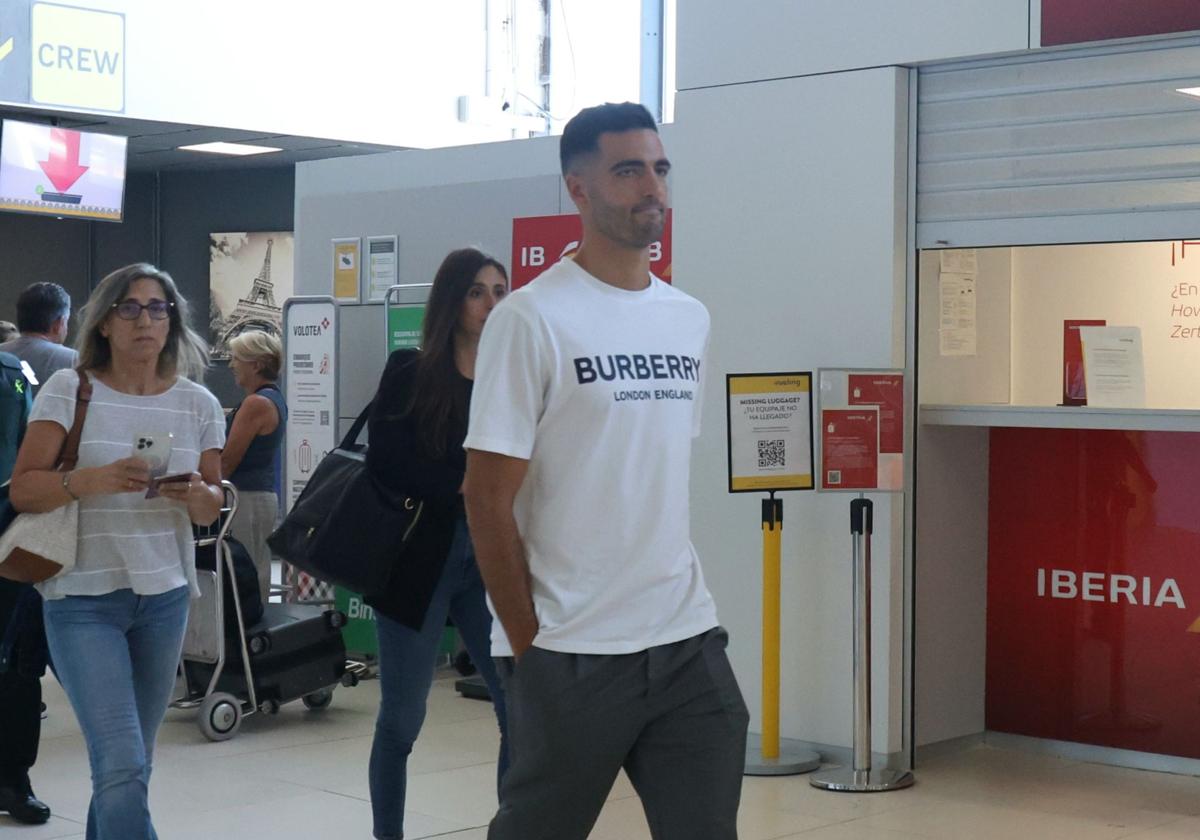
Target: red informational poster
1093, 588
541, 241
1074, 387
885, 390
849, 449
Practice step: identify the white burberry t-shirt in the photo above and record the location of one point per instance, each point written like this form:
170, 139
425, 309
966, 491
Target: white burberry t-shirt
127, 541
599, 389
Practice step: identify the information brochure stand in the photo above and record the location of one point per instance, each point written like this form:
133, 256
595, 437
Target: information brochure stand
862, 448
310, 388
769, 424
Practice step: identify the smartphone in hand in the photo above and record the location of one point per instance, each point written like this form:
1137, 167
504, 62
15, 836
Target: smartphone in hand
155, 449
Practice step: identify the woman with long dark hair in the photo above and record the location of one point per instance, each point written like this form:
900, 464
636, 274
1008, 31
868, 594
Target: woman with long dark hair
417, 426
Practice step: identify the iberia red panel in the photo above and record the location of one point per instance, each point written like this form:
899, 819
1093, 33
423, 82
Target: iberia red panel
541, 241
1094, 588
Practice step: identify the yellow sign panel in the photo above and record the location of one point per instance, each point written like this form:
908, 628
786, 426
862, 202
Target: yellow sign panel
345, 269
770, 431
77, 57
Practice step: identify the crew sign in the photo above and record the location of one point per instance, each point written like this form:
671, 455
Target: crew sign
77, 57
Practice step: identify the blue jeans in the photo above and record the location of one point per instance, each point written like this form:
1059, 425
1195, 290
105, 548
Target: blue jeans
116, 656
406, 662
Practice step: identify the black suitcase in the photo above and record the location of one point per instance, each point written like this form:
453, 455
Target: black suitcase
296, 650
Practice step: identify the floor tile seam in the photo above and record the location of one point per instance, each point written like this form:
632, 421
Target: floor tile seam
833, 824
1137, 832
412, 772
468, 825
292, 746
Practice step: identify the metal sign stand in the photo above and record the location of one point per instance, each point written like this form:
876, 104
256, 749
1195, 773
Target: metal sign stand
769, 757
861, 778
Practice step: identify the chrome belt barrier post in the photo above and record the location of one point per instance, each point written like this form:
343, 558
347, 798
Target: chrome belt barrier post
861, 778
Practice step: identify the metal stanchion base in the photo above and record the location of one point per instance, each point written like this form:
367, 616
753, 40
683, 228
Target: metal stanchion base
848, 780
793, 759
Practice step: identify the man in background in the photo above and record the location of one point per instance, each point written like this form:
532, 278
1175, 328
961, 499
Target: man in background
22, 637
43, 317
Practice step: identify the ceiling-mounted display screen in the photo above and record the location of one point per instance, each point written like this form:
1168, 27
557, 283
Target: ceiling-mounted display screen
60, 172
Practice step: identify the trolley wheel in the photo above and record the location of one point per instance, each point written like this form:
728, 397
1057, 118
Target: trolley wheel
220, 716
350, 679
269, 707
463, 664
319, 699
259, 644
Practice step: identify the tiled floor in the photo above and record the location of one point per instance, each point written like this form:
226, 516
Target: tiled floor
303, 775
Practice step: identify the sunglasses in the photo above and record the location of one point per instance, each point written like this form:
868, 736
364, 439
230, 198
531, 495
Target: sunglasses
131, 310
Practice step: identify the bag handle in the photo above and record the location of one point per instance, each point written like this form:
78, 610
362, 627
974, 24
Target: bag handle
70, 451
351, 437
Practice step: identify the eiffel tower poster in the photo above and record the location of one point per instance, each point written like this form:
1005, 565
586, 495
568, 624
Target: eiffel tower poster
250, 276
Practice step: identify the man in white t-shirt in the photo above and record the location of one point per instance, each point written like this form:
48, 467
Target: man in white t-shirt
586, 399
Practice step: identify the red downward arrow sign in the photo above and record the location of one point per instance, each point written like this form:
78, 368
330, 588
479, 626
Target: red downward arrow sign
63, 167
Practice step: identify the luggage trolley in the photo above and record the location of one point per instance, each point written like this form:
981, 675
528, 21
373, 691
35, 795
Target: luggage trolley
295, 652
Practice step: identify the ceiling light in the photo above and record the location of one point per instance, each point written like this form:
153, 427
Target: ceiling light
1192, 91
221, 148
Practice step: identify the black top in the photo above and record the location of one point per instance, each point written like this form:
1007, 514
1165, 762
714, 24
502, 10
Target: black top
397, 460
257, 469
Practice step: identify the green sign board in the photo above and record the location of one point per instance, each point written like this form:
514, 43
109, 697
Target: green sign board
359, 631
404, 325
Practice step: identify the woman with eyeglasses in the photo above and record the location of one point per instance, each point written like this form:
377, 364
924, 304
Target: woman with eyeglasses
115, 622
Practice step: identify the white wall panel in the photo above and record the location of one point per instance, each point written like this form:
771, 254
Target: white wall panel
723, 43
433, 201
790, 225
1090, 145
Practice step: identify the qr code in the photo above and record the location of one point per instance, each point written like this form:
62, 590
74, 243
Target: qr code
771, 454
324, 418
833, 477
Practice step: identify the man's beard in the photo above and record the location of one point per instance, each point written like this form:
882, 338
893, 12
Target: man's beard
631, 230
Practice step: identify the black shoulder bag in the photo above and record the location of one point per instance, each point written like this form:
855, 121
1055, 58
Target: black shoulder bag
346, 528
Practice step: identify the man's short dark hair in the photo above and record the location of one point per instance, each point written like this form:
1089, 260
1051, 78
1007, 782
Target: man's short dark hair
582, 133
40, 305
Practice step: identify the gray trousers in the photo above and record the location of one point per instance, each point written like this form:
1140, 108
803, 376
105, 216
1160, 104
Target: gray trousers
672, 716
257, 516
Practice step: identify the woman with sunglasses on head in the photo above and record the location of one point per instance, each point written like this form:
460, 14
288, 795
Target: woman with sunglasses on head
418, 423
115, 622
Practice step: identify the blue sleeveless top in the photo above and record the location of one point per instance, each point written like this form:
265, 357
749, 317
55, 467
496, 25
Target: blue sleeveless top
258, 469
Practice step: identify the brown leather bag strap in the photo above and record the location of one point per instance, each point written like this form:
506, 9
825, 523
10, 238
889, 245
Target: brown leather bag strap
70, 450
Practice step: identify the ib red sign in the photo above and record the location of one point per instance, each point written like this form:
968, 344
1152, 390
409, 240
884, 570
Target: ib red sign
541, 241
1093, 587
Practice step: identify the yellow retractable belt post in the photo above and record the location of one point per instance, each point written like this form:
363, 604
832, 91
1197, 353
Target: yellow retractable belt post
770, 756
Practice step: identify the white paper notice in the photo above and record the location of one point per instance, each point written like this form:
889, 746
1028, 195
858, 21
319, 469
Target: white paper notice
959, 261
1113, 368
381, 266
957, 324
